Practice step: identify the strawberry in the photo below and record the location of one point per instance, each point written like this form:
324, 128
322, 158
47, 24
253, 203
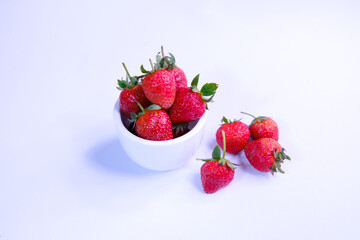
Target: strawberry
159, 87
266, 154
153, 123
217, 172
179, 77
263, 127
131, 92
190, 103
237, 135
168, 63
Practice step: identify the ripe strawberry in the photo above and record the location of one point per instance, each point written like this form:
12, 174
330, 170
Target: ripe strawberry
159, 87
190, 103
263, 127
153, 124
168, 63
179, 77
266, 154
217, 172
131, 92
237, 135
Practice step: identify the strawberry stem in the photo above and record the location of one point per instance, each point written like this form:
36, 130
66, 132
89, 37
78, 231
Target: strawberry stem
152, 65
248, 114
162, 52
127, 72
141, 107
224, 143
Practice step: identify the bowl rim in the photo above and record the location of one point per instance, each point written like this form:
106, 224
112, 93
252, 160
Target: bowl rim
124, 131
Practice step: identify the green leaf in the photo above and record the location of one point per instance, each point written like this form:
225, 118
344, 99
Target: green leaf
224, 119
208, 89
280, 170
195, 81
158, 58
122, 84
209, 99
205, 160
133, 80
143, 70
161, 63
216, 154
154, 107
168, 61
221, 161
172, 58
133, 116
230, 164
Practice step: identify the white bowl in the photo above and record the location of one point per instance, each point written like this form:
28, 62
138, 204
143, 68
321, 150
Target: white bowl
159, 155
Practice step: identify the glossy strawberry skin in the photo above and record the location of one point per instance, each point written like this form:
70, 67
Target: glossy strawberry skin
188, 106
260, 153
265, 129
159, 88
179, 77
154, 125
237, 135
128, 98
215, 176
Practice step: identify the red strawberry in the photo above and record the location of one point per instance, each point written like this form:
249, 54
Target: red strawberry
266, 154
263, 127
159, 88
168, 63
217, 172
131, 92
190, 103
153, 124
179, 77
237, 135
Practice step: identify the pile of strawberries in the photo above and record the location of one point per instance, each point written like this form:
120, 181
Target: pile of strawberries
159, 103
160, 106
259, 141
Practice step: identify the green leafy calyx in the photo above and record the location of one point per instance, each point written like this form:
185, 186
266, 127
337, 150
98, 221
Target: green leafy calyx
162, 62
279, 156
135, 116
225, 120
130, 81
180, 127
207, 91
256, 119
216, 155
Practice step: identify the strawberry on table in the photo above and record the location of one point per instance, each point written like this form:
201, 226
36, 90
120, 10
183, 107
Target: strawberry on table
153, 123
265, 155
131, 92
216, 172
190, 103
237, 135
263, 127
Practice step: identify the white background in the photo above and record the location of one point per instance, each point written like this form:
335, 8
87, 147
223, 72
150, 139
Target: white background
64, 175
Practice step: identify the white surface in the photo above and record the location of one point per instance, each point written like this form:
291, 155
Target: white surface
159, 155
63, 174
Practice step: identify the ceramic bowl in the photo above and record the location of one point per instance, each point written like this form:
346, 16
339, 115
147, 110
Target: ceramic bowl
159, 155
